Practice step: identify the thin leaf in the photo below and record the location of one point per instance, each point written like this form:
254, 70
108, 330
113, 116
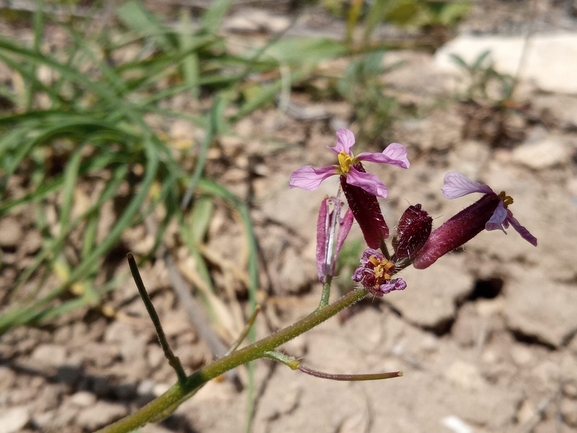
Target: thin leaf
213, 17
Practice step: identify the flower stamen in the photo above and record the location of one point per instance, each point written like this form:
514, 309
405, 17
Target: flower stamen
376, 274
381, 269
345, 162
506, 199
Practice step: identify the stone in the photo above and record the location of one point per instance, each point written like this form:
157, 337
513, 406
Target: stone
100, 414
440, 130
432, 294
7, 378
43, 421
540, 308
456, 424
569, 412
570, 390
83, 399
521, 356
469, 326
542, 152
465, 375
132, 346
145, 387
550, 60
527, 411
562, 108
295, 272
50, 354
14, 419
10, 233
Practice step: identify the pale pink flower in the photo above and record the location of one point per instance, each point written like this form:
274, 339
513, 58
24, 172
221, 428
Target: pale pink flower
310, 178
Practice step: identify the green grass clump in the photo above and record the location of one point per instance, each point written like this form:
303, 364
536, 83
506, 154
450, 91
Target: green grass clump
91, 116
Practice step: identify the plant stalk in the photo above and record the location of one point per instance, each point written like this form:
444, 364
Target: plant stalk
178, 393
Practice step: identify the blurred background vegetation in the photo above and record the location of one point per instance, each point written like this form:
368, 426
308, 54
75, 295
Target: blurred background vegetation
83, 128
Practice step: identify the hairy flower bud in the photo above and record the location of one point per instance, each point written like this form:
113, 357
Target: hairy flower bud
413, 231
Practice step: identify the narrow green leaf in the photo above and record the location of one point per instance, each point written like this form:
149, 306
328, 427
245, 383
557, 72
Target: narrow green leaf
214, 124
138, 19
200, 218
213, 17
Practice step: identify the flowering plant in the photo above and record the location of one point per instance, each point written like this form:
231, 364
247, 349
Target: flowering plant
414, 243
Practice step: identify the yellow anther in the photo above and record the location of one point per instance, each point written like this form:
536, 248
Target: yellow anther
382, 268
506, 199
345, 162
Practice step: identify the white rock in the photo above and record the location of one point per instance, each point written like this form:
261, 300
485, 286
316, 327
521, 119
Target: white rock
83, 399
551, 59
100, 414
456, 424
145, 387
544, 153
50, 354
10, 233
539, 307
14, 419
464, 375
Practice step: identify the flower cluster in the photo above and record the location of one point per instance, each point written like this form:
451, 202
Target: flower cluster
414, 242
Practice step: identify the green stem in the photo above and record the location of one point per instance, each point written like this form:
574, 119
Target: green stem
178, 392
326, 292
174, 361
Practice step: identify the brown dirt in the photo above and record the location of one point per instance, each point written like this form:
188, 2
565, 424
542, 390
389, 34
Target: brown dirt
485, 337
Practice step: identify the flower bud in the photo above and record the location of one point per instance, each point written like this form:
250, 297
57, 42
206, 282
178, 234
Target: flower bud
413, 231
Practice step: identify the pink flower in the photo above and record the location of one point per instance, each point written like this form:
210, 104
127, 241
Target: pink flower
310, 178
490, 212
457, 185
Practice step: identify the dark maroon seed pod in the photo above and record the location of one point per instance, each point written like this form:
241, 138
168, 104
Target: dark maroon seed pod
413, 231
366, 211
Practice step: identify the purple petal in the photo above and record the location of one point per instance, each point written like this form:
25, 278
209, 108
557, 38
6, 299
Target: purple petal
395, 284
322, 241
394, 154
310, 178
368, 182
457, 185
521, 230
498, 219
345, 140
344, 229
